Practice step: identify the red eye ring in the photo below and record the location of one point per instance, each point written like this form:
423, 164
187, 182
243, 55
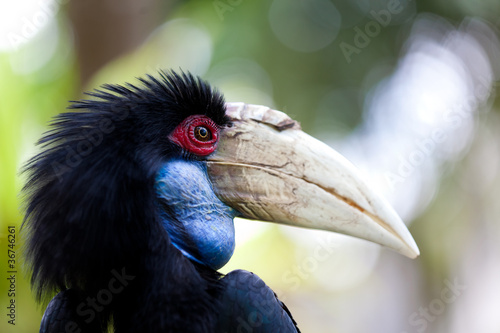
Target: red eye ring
197, 134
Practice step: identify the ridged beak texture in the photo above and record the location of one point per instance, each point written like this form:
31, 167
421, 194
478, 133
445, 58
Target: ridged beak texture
268, 169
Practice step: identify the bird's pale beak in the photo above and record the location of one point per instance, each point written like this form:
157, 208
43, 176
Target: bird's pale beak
267, 168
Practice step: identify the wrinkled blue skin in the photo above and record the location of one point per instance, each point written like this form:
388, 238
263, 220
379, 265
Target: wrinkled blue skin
198, 223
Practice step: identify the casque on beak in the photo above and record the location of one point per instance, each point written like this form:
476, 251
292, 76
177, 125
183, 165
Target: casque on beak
268, 169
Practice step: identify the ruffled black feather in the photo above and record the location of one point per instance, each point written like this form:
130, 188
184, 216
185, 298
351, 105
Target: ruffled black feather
90, 201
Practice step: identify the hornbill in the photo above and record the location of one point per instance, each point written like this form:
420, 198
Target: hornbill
130, 207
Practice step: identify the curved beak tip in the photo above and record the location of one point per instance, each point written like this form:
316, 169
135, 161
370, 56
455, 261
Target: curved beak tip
409, 248
412, 249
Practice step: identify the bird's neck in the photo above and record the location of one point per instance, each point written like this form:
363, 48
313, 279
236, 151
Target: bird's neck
198, 223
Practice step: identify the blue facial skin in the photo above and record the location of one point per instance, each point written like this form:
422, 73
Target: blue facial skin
198, 223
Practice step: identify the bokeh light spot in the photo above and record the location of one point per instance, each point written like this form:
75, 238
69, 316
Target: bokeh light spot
305, 26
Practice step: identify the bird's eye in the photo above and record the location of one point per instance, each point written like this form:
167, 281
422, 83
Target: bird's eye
197, 134
202, 133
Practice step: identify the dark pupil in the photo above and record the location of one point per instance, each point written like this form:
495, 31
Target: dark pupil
201, 133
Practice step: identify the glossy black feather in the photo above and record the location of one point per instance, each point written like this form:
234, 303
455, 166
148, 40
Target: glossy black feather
249, 305
61, 316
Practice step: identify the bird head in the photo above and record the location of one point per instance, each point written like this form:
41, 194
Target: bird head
168, 165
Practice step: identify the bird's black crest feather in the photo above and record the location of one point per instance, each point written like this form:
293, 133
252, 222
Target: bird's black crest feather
90, 193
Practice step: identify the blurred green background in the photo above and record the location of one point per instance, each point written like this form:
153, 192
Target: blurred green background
405, 89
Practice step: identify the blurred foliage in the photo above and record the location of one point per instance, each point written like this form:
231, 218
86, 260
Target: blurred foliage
28, 102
